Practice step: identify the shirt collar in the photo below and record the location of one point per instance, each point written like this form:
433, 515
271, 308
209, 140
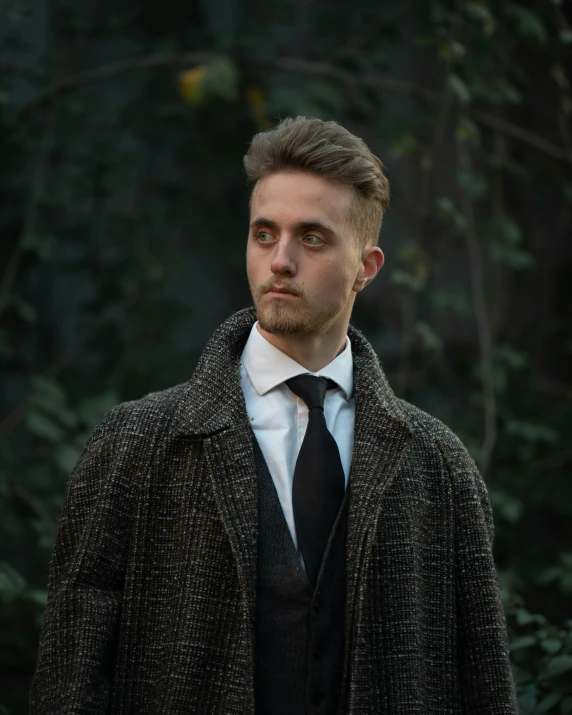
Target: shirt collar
268, 367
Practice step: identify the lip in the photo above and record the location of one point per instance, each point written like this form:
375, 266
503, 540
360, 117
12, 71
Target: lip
280, 292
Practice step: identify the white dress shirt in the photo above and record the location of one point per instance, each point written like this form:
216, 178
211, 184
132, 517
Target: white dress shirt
279, 418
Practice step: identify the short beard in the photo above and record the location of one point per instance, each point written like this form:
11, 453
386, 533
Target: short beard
283, 320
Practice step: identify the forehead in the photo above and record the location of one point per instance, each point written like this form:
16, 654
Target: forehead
292, 195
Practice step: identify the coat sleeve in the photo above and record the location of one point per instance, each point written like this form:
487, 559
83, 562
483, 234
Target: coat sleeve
487, 685
73, 672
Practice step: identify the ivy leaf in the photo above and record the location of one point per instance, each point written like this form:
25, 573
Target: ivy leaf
528, 24
523, 642
42, 426
551, 645
548, 702
459, 88
401, 277
474, 184
12, 583
531, 431
431, 340
557, 666
221, 78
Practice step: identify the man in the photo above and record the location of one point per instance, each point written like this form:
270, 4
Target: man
281, 534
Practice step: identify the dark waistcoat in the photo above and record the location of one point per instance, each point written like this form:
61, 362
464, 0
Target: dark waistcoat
299, 633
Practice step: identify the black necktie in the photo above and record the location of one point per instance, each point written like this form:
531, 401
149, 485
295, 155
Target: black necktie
319, 481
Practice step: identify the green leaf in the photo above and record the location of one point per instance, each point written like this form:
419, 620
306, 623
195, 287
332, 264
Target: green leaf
459, 89
42, 426
553, 573
557, 666
523, 642
506, 506
449, 212
548, 702
531, 431
42, 245
524, 617
38, 596
12, 583
480, 11
26, 311
48, 391
66, 457
528, 24
93, 409
401, 277
455, 300
515, 359
513, 257
551, 645
566, 584
467, 131
221, 78
474, 184
431, 340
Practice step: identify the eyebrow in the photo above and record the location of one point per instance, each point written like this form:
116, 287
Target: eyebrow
301, 225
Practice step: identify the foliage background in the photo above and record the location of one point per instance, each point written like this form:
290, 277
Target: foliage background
123, 226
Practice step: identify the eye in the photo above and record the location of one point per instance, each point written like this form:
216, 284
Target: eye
316, 237
262, 233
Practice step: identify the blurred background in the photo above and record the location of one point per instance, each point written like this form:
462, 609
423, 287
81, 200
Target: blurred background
123, 225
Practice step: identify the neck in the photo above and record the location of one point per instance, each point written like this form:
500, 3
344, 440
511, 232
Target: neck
311, 351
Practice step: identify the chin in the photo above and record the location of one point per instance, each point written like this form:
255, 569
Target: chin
279, 318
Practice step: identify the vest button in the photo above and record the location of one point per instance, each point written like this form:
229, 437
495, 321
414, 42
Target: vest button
317, 697
317, 605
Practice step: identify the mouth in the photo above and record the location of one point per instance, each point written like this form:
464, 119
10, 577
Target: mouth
279, 293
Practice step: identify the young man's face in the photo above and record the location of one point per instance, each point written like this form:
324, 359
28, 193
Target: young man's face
318, 265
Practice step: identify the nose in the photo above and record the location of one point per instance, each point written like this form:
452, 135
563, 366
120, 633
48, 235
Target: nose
283, 258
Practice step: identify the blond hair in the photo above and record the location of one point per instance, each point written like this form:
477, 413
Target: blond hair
329, 150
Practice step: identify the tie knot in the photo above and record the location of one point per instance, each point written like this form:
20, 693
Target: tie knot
310, 388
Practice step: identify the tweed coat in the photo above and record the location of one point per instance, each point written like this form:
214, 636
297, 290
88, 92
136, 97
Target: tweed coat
152, 583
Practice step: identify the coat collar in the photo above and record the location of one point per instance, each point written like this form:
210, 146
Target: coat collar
212, 399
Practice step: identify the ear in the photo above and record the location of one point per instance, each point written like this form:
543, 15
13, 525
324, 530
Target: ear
372, 259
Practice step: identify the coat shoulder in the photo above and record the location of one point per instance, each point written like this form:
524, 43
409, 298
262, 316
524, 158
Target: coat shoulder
433, 437
432, 430
144, 417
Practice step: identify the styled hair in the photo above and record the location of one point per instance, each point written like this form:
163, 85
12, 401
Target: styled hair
326, 149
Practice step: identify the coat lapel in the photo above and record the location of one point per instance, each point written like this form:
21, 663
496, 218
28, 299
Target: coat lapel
381, 434
213, 409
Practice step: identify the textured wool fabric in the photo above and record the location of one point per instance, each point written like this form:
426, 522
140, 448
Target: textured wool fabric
152, 585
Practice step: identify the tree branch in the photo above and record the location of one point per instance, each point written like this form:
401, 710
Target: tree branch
481, 316
36, 192
293, 64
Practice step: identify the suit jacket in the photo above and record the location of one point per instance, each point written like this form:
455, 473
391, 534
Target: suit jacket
152, 584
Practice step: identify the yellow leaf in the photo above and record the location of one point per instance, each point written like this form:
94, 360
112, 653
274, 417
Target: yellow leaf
191, 86
255, 98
